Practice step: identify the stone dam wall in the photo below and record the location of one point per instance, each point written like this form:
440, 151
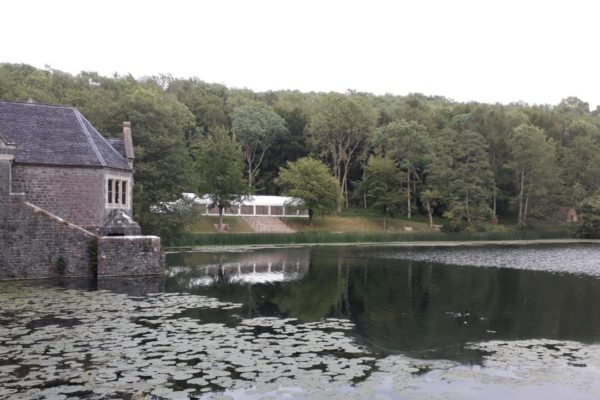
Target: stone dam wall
35, 243
130, 255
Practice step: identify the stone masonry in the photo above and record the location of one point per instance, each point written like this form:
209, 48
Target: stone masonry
76, 194
130, 255
62, 186
37, 244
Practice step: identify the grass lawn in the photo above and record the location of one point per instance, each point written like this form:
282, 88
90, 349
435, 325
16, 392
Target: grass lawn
328, 224
205, 224
337, 224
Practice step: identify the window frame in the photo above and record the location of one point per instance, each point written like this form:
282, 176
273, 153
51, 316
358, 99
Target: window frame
117, 191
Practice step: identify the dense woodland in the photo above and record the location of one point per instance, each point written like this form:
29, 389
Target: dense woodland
474, 164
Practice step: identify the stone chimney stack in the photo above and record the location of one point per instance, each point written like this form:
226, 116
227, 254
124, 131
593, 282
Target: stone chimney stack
7, 155
128, 142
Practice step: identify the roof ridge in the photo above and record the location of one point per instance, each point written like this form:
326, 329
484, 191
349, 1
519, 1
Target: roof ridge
89, 137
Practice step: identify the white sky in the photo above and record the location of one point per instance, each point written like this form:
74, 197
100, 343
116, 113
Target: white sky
483, 50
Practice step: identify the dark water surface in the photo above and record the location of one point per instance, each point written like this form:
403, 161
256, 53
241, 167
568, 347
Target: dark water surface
355, 322
400, 301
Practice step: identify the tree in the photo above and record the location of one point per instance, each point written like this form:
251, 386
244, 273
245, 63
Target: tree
408, 143
589, 218
581, 167
309, 181
338, 128
460, 171
534, 162
256, 127
163, 168
219, 163
382, 184
430, 198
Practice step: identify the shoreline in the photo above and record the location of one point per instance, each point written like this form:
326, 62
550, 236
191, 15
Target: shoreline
447, 243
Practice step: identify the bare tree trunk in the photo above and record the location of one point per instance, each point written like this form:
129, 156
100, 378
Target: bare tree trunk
521, 197
408, 214
494, 200
365, 200
429, 214
384, 221
249, 175
346, 171
525, 209
414, 192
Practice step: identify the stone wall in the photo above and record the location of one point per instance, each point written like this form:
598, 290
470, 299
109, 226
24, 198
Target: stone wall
130, 255
36, 244
73, 193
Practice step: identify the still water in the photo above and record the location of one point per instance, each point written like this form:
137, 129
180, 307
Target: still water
316, 322
402, 303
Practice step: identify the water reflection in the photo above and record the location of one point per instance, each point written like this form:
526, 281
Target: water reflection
190, 270
425, 309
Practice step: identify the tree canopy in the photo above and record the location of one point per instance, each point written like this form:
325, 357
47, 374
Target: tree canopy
219, 166
309, 181
471, 163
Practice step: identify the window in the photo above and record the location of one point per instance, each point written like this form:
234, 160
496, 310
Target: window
116, 192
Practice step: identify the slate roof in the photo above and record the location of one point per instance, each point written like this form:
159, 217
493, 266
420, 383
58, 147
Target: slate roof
56, 135
118, 145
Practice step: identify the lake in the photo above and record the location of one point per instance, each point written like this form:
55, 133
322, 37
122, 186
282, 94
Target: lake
315, 322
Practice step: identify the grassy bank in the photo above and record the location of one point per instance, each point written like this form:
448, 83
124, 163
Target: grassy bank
305, 237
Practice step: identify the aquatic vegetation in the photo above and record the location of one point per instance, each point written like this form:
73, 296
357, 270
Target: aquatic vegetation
58, 343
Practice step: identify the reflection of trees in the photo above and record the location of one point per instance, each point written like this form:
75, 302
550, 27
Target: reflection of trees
321, 293
403, 306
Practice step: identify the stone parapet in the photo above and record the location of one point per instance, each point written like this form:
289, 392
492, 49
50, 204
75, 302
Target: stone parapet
130, 255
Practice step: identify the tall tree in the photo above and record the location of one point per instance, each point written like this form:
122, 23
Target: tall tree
338, 128
581, 167
163, 168
256, 127
309, 181
382, 184
408, 143
589, 218
460, 171
534, 163
219, 163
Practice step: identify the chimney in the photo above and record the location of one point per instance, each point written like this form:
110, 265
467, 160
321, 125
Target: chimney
7, 155
128, 142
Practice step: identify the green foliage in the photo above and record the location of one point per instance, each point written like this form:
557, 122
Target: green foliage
219, 166
589, 218
340, 129
306, 237
535, 167
163, 167
539, 157
256, 127
382, 185
309, 181
460, 172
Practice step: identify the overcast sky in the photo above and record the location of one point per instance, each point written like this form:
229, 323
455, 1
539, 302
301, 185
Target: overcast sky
484, 50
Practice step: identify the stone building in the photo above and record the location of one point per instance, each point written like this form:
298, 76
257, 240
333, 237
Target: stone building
64, 189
